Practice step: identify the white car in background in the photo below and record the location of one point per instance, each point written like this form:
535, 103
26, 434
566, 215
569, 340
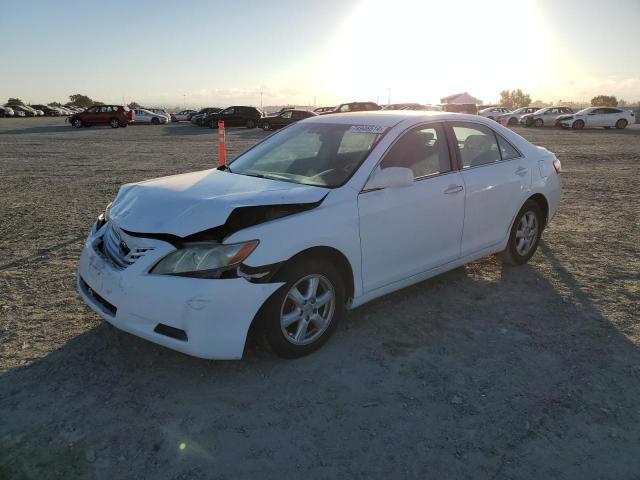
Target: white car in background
513, 118
160, 111
147, 116
320, 217
181, 115
546, 116
594, 117
493, 113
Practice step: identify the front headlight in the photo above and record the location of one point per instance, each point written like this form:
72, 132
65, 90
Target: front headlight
103, 217
204, 259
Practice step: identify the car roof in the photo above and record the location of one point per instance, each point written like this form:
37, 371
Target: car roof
390, 118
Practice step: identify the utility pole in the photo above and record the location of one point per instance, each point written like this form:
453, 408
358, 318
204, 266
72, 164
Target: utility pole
184, 101
261, 89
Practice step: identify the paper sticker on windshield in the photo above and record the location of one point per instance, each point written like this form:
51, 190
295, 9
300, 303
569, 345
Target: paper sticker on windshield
367, 129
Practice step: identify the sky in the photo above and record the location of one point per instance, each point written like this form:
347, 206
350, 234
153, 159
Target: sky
317, 52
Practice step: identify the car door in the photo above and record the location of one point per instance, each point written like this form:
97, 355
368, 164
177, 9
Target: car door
230, 117
496, 179
92, 115
408, 230
285, 118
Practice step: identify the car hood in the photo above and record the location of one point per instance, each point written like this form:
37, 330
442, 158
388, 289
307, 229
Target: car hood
186, 204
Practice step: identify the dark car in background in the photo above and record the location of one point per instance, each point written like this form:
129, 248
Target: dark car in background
198, 117
355, 107
48, 111
282, 119
235, 116
113, 115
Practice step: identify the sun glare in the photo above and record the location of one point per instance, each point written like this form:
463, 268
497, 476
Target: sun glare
422, 50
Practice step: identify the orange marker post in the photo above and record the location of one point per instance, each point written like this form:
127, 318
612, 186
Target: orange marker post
221, 148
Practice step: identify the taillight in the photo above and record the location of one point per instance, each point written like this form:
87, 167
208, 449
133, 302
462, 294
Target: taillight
557, 165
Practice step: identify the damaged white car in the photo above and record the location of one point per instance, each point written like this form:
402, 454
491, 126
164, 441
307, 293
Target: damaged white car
318, 218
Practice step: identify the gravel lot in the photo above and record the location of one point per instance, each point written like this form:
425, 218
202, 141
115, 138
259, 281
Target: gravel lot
484, 372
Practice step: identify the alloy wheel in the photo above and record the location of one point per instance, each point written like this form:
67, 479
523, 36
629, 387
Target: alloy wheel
526, 233
308, 309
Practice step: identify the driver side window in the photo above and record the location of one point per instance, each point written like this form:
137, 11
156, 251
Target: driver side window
424, 150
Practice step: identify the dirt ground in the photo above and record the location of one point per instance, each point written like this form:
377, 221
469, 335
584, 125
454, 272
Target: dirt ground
485, 372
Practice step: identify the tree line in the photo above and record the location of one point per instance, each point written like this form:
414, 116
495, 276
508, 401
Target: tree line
77, 100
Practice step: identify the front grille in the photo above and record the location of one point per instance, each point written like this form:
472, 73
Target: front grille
117, 251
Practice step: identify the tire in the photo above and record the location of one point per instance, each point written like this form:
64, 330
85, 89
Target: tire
174, 119
313, 334
578, 125
539, 122
77, 123
114, 123
512, 121
525, 235
528, 122
621, 124
155, 121
266, 126
251, 123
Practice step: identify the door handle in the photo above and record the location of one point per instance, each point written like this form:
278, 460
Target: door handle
522, 171
453, 189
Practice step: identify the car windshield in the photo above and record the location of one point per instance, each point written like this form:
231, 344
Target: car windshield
542, 110
325, 155
584, 111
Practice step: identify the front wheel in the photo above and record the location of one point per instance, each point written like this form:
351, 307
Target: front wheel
174, 119
155, 121
621, 124
114, 122
578, 125
77, 123
525, 235
266, 126
513, 121
301, 316
539, 122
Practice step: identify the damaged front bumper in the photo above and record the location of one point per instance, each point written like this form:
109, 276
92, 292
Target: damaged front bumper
206, 318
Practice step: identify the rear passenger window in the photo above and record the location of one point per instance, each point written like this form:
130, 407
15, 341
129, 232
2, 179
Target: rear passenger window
477, 144
507, 151
424, 150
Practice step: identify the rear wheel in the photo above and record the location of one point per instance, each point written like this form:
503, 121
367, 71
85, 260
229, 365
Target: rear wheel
251, 123
525, 235
174, 119
155, 121
578, 125
114, 122
539, 122
77, 123
301, 316
621, 124
266, 126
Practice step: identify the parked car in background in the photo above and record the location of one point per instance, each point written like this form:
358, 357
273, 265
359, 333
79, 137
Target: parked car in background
113, 115
356, 107
594, 117
6, 112
160, 111
321, 217
181, 115
513, 118
147, 116
469, 108
235, 116
198, 117
492, 113
323, 110
47, 110
23, 111
282, 119
545, 116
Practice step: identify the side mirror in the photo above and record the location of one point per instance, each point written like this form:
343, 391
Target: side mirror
390, 177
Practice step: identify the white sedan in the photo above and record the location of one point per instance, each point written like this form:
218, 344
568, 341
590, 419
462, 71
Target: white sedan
513, 118
146, 116
181, 115
593, 117
493, 113
321, 217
